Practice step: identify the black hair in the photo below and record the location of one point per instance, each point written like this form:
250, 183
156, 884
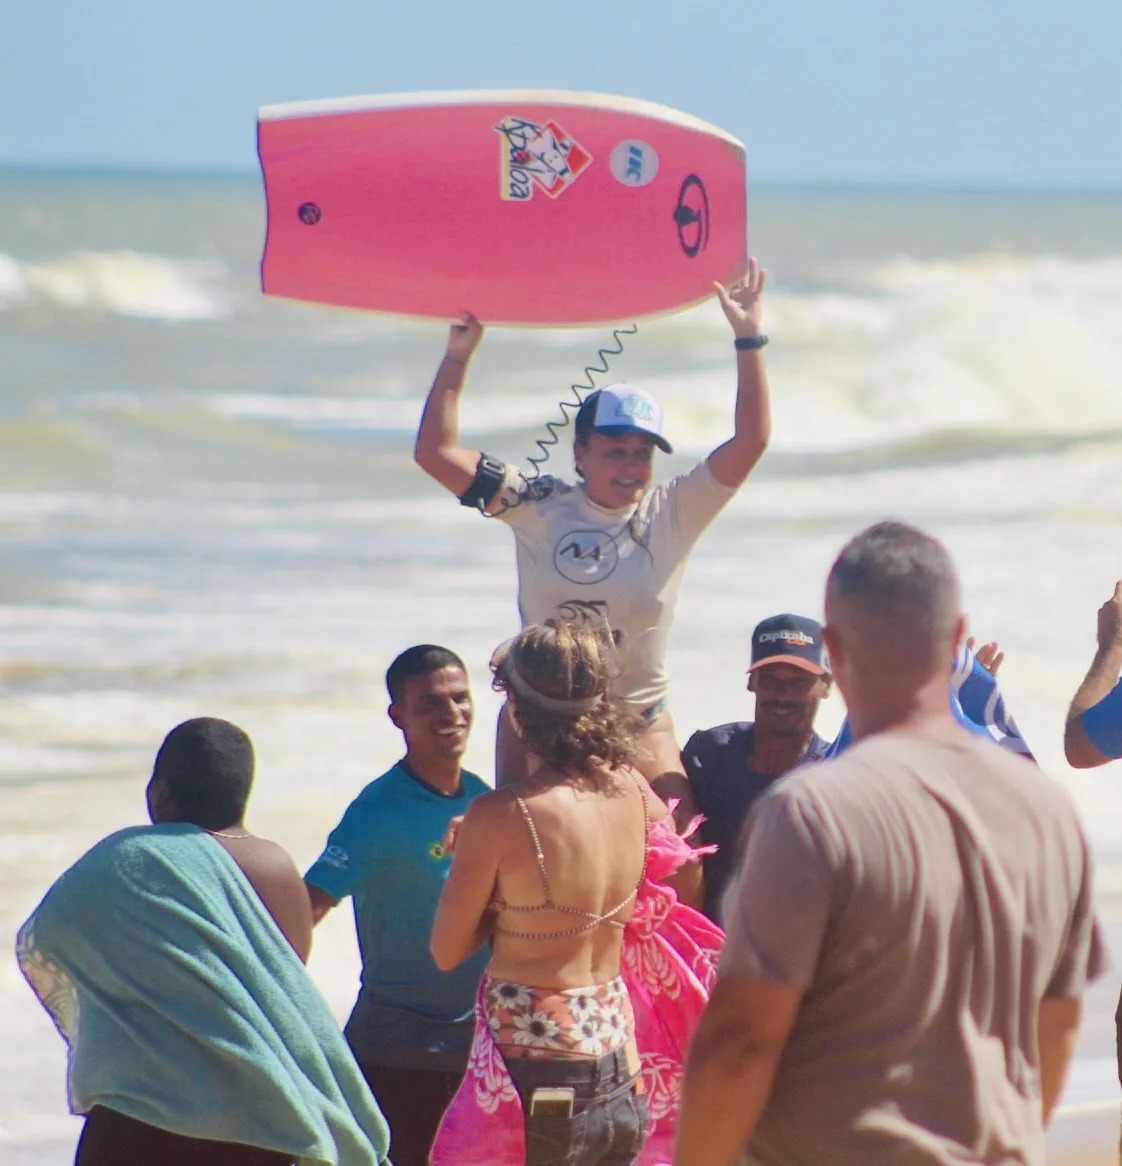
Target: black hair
586, 414
205, 765
419, 660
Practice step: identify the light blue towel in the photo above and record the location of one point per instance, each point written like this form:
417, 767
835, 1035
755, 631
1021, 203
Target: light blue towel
184, 1006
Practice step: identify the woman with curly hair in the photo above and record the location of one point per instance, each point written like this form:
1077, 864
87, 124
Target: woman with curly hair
598, 973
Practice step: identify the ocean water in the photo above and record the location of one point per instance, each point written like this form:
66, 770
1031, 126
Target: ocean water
207, 504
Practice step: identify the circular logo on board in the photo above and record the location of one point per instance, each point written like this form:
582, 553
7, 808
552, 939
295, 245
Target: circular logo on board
634, 163
586, 556
310, 214
691, 216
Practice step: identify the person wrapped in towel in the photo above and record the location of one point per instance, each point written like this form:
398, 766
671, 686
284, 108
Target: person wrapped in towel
170, 958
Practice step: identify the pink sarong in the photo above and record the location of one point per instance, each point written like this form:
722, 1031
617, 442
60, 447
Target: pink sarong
669, 965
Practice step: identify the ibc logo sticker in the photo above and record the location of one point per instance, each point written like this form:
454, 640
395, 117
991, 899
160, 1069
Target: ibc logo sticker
634, 163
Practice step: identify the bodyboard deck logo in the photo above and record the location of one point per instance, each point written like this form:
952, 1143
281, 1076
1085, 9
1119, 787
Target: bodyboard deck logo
691, 216
634, 163
541, 156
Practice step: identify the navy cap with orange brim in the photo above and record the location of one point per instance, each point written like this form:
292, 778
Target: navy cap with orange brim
789, 639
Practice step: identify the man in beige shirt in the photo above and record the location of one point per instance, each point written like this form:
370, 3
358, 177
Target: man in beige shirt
911, 927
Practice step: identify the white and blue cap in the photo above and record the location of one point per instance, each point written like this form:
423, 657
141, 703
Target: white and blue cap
621, 409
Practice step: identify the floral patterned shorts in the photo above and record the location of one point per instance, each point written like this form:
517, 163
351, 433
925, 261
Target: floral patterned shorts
589, 1022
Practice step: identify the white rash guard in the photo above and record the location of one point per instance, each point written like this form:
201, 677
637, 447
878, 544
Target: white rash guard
580, 561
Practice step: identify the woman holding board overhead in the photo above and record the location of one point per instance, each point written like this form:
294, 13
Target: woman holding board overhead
609, 550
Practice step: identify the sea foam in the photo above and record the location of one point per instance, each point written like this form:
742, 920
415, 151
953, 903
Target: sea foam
127, 283
882, 353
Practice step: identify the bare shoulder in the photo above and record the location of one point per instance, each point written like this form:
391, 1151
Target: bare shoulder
272, 854
273, 874
551, 791
492, 811
262, 858
657, 809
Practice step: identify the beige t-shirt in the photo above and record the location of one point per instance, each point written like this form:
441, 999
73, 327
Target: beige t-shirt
580, 561
924, 896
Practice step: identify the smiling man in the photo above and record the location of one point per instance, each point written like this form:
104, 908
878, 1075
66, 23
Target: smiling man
730, 766
412, 1024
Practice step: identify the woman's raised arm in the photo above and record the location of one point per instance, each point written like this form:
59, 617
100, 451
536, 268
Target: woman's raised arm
438, 450
732, 462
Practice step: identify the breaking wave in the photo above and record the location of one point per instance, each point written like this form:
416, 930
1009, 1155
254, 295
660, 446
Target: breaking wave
991, 346
127, 283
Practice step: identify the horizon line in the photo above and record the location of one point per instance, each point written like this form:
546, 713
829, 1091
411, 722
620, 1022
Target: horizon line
804, 184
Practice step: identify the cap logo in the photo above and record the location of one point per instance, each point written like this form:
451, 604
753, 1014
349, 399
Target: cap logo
787, 636
636, 408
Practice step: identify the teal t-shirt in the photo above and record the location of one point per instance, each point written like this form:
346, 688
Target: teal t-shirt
387, 854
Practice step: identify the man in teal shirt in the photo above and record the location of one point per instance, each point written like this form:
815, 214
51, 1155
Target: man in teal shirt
411, 1027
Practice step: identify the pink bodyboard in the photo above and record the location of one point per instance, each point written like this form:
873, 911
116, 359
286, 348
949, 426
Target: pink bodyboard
524, 207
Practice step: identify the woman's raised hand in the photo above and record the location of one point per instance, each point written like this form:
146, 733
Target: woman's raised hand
743, 301
464, 338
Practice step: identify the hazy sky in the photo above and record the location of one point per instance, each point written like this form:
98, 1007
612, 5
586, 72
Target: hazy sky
1006, 92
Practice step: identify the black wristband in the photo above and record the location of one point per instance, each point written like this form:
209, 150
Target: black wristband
747, 343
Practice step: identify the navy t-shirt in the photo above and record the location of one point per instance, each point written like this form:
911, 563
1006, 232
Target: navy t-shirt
724, 789
387, 854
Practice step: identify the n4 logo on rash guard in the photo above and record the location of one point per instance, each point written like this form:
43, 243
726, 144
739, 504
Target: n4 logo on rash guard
586, 556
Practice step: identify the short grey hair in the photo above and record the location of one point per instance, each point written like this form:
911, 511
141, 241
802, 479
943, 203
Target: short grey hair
900, 575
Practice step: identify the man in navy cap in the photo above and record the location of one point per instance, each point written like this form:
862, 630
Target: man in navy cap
731, 765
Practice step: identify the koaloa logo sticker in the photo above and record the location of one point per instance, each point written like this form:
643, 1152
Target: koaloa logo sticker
538, 156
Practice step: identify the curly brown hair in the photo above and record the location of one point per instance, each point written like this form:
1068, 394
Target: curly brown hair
565, 661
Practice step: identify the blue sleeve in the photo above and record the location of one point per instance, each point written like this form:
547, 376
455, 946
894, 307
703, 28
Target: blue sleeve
346, 859
841, 743
1102, 723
